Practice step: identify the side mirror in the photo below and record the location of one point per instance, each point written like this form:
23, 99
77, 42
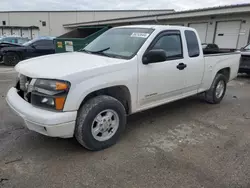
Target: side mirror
242, 49
154, 56
33, 46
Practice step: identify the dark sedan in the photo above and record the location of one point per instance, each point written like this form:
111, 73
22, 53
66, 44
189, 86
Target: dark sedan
9, 41
245, 60
37, 47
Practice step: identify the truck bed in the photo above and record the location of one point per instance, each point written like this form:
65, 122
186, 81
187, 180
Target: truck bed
220, 51
218, 61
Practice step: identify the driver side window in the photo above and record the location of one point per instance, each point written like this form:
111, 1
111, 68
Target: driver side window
171, 44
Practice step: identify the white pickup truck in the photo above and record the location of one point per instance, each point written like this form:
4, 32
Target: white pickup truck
88, 94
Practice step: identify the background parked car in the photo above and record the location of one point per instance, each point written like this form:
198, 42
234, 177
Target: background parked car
245, 60
36, 47
7, 41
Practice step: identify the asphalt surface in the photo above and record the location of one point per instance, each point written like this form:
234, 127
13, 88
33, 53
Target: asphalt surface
184, 144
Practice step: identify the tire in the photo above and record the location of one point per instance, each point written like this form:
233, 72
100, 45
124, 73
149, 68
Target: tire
210, 95
86, 122
11, 59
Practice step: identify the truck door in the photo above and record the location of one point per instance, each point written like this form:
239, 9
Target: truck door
195, 63
163, 81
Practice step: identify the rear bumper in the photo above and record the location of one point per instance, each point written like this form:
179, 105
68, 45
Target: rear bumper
54, 124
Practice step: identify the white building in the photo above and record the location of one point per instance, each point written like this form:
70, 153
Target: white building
227, 26
50, 23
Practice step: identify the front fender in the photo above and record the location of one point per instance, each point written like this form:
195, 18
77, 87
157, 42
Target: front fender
79, 91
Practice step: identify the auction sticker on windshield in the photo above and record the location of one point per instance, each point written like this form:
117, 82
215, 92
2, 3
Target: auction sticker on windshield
141, 35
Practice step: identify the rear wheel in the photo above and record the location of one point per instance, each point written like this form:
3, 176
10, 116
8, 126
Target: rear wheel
100, 122
11, 58
218, 89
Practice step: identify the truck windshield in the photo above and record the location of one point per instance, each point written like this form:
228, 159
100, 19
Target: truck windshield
119, 42
247, 47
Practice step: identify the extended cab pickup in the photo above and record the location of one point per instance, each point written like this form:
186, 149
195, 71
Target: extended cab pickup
88, 94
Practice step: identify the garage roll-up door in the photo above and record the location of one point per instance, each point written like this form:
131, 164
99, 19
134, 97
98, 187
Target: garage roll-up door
16, 32
227, 34
201, 28
35, 33
26, 33
6, 31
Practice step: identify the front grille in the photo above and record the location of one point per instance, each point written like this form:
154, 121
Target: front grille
22, 87
24, 82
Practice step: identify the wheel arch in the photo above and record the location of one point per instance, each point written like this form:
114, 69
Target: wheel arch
19, 53
119, 92
226, 72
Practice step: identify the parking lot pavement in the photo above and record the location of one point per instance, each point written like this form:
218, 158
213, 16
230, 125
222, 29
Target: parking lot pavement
183, 144
6, 69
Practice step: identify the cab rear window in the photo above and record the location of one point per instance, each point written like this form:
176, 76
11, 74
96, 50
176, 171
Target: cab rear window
192, 43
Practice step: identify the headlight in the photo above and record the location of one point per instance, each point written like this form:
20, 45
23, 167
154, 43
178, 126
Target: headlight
50, 93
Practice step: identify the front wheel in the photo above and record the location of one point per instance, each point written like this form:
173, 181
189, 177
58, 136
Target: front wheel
217, 91
11, 58
100, 122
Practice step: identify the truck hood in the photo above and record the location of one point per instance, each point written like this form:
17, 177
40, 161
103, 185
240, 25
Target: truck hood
63, 66
245, 53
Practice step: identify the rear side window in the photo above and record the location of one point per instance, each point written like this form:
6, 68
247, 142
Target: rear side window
192, 44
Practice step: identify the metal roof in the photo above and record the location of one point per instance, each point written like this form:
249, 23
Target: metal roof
228, 9
150, 26
157, 27
18, 27
105, 10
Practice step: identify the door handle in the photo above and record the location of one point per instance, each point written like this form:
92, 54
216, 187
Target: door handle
181, 66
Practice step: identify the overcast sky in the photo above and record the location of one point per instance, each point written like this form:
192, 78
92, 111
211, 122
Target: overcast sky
111, 4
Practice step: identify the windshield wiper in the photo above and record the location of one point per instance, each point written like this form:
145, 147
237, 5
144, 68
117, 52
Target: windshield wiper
83, 50
100, 51
95, 52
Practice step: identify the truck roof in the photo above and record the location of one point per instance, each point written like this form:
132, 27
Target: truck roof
158, 27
